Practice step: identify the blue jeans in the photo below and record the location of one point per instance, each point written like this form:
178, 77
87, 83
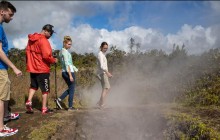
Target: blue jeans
71, 88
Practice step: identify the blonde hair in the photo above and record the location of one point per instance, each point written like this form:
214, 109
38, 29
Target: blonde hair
66, 39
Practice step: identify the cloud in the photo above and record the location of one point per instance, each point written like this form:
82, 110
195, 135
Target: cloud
196, 40
21, 43
215, 5
32, 15
86, 39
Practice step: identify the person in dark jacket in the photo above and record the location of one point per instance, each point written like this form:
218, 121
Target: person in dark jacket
38, 59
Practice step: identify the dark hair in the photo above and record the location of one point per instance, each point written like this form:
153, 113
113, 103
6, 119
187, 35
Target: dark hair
102, 45
4, 5
49, 28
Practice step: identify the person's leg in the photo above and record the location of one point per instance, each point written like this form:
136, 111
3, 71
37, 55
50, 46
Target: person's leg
71, 94
45, 109
28, 103
71, 86
44, 101
65, 93
1, 114
58, 100
68, 82
63, 96
4, 96
31, 92
103, 96
105, 89
8, 115
44, 84
6, 107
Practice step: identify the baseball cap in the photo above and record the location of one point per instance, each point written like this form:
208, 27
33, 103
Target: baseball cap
49, 28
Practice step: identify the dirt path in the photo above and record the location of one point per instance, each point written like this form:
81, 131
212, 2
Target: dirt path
139, 123
124, 123
26, 123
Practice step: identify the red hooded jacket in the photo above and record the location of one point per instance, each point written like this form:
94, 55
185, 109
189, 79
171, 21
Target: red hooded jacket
38, 54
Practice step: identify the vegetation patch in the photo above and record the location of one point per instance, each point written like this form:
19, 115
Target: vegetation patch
205, 92
182, 126
47, 127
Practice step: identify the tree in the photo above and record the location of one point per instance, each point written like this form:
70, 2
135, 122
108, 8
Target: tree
132, 44
115, 57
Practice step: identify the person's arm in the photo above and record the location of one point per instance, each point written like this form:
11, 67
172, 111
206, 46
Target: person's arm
101, 62
46, 51
70, 75
5, 59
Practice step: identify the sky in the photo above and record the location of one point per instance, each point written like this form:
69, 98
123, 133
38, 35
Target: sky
153, 24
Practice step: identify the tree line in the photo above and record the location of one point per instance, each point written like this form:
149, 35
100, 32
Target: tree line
178, 72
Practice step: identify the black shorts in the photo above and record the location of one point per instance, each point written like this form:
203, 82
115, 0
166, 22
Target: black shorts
40, 80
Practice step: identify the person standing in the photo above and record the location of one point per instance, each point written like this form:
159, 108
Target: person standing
7, 11
38, 59
103, 73
68, 75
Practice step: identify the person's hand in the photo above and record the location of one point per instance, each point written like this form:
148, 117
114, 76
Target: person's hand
109, 74
56, 60
17, 72
71, 79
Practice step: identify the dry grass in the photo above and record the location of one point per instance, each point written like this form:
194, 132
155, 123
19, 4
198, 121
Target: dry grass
20, 87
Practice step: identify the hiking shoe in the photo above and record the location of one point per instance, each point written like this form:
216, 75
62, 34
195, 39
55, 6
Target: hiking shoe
46, 111
98, 103
29, 108
72, 109
12, 116
6, 131
102, 106
6, 120
58, 103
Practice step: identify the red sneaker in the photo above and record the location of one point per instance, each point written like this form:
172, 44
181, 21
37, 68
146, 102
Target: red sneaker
29, 108
46, 111
6, 131
14, 116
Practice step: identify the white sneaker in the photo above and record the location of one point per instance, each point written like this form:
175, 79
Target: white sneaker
6, 131
58, 103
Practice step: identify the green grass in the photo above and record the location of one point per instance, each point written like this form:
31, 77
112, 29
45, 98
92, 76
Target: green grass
195, 123
47, 127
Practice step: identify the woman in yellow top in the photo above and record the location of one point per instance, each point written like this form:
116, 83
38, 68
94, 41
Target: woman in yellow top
68, 75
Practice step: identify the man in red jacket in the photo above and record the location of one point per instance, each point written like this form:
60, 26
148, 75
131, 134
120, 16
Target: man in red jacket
38, 59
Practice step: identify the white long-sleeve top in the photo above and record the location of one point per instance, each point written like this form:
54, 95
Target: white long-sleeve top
102, 63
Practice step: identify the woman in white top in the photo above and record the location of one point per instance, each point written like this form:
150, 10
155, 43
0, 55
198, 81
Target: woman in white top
68, 70
103, 73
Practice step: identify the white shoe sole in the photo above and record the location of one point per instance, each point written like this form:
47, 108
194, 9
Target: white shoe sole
58, 104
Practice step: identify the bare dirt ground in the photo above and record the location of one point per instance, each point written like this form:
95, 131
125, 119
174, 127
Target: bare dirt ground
112, 123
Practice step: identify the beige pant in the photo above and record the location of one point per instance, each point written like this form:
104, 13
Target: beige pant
104, 81
4, 86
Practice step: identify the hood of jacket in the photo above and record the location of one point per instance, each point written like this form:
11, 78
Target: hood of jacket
34, 37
